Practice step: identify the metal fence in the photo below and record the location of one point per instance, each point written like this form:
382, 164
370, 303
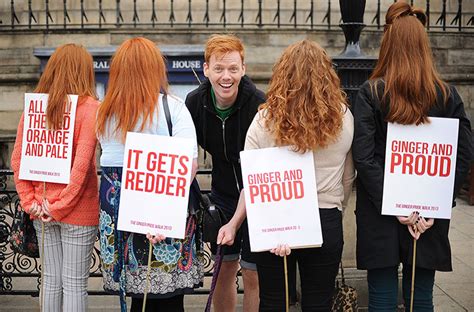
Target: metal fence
197, 14
19, 274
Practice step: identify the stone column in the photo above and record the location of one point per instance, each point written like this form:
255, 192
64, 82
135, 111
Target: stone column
353, 68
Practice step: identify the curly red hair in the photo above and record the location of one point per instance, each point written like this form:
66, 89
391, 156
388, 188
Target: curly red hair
305, 105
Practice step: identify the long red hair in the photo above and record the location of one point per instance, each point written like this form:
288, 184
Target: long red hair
69, 70
406, 66
137, 74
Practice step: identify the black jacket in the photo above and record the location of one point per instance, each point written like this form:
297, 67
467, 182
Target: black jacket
381, 240
224, 139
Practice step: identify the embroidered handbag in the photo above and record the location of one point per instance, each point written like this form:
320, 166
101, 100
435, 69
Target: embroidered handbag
345, 296
23, 235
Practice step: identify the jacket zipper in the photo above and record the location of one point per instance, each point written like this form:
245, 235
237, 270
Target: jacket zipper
225, 154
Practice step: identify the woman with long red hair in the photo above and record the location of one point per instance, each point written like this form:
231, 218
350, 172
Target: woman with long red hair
70, 212
306, 110
405, 88
137, 91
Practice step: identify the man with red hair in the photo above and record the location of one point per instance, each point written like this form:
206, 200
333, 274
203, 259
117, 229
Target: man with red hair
222, 108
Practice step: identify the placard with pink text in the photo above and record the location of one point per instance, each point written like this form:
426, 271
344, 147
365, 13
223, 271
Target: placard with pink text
155, 184
281, 198
420, 165
46, 155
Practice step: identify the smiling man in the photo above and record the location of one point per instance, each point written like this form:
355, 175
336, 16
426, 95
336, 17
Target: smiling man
223, 107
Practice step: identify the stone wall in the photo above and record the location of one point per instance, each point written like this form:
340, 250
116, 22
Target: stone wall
19, 68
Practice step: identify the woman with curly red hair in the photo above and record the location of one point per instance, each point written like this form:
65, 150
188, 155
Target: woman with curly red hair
307, 110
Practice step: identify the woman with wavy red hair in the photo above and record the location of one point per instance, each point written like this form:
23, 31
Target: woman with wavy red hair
137, 90
404, 88
307, 110
70, 212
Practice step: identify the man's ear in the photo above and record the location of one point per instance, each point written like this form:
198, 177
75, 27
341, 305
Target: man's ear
206, 69
243, 68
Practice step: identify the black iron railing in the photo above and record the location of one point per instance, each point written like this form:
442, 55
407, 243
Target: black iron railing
17, 271
194, 14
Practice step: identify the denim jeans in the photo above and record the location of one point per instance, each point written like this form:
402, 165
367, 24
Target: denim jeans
423, 292
383, 289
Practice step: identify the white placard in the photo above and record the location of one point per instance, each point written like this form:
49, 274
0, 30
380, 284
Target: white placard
46, 155
420, 165
155, 184
281, 198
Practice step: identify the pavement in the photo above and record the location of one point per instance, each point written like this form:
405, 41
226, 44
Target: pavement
453, 291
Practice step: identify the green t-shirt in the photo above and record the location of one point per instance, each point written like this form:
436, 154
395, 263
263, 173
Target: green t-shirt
222, 113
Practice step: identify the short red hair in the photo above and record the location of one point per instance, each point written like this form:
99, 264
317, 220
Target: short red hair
222, 44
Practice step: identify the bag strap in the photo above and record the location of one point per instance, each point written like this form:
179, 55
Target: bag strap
215, 274
166, 109
205, 202
343, 280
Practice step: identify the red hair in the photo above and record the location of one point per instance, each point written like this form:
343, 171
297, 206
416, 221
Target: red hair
137, 74
305, 106
406, 66
69, 70
222, 44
